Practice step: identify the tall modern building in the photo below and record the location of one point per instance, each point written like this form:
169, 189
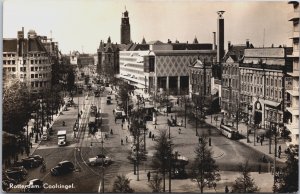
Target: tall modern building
125, 28
293, 108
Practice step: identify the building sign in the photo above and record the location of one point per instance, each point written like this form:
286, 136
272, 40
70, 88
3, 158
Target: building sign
288, 83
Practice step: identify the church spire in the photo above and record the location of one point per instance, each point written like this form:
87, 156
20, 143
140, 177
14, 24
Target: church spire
144, 41
195, 40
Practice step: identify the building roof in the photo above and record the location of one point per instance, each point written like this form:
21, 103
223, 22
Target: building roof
10, 45
186, 46
236, 52
136, 47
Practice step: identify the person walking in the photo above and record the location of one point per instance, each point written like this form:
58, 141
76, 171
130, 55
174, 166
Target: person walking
257, 139
179, 131
111, 132
279, 152
121, 141
261, 141
226, 189
126, 139
259, 168
149, 175
152, 136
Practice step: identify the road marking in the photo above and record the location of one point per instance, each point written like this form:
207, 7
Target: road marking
99, 188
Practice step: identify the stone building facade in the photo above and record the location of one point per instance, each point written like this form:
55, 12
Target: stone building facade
27, 59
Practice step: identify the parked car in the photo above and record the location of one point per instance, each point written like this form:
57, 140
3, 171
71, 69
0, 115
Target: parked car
62, 168
38, 158
17, 174
34, 186
28, 163
99, 159
7, 181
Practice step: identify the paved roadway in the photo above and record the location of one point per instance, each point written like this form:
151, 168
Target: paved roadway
228, 153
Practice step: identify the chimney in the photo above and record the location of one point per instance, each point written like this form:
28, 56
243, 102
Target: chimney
247, 43
229, 45
214, 43
220, 34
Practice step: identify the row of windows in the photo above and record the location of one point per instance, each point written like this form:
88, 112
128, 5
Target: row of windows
127, 70
9, 62
39, 84
272, 81
270, 93
231, 70
9, 69
133, 65
43, 68
42, 75
9, 55
234, 83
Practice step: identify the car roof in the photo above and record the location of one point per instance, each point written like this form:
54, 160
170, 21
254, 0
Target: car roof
65, 162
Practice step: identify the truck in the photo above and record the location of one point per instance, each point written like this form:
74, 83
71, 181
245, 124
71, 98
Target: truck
62, 137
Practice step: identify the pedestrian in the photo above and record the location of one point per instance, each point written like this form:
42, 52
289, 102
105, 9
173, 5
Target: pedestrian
257, 139
111, 131
128, 127
126, 139
261, 142
200, 139
259, 168
279, 148
64, 124
279, 153
226, 189
149, 175
121, 141
152, 136
114, 111
179, 131
209, 141
30, 145
122, 125
263, 137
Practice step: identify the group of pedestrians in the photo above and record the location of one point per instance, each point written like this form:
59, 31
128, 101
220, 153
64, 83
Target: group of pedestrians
260, 139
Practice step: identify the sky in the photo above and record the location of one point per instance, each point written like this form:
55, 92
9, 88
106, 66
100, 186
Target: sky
81, 24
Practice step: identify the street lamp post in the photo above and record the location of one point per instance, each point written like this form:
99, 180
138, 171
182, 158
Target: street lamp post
197, 121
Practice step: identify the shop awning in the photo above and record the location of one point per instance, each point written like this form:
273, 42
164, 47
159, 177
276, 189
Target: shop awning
272, 103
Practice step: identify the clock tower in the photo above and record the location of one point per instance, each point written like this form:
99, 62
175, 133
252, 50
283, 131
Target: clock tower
125, 28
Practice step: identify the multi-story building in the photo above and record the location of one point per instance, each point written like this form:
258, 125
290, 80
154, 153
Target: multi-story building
293, 77
262, 84
231, 79
163, 66
27, 60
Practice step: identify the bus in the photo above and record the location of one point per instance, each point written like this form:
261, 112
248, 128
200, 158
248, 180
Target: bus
229, 132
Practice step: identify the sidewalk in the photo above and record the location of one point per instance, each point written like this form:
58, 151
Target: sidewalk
187, 185
264, 148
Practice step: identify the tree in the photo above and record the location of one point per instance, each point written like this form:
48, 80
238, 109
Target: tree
244, 183
163, 149
287, 178
70, 80
204, 168
125, 88
16, 106
122, 185
155, 184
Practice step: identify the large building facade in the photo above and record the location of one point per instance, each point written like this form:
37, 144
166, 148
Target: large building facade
293, 77
28, 60
262, 85
231, 80
162, 66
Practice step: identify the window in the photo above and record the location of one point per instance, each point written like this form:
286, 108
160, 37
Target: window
13, 69
13, 62
32, 69
24, 62
36, 84
31, 62
4, 62
32, 76
32, 84
36, 75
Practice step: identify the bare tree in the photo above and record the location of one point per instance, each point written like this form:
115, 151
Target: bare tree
204, 169
244, 183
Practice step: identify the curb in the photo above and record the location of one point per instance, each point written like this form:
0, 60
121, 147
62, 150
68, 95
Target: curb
39, 142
